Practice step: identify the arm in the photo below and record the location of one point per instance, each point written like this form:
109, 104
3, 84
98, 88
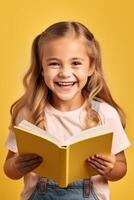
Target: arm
16, 166
111, 167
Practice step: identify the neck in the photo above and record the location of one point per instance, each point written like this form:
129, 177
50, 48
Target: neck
67, 105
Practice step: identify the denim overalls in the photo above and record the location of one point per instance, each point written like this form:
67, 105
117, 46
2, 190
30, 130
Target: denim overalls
47, 189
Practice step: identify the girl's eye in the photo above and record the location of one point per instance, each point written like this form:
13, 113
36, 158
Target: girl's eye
77, 63
53, 64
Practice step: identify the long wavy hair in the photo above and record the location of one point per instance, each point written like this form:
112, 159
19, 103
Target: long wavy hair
37, 94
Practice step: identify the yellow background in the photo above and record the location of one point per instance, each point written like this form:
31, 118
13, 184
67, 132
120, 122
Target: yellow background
112, 24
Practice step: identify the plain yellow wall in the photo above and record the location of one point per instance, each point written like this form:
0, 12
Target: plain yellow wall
112, 24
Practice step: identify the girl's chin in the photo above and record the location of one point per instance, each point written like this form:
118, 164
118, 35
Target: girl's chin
64, 97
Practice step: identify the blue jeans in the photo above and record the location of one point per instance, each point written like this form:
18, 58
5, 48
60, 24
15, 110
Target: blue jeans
77, 190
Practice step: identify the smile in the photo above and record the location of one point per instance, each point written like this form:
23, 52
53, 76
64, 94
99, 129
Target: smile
65, 83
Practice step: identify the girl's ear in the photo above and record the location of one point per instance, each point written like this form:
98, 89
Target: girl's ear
91, 70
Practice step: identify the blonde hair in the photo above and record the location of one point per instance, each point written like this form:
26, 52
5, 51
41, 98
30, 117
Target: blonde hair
37, 94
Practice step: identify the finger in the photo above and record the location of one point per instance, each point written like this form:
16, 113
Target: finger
107, 158
29, 165
100, 171
97, 164
27, 157
29, 168
30, 162
98, 160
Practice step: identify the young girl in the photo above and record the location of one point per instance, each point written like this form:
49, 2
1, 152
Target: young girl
65, 93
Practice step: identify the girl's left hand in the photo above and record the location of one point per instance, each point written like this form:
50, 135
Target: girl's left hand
103, 164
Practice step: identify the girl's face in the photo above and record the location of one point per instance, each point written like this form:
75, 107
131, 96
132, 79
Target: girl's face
66, 68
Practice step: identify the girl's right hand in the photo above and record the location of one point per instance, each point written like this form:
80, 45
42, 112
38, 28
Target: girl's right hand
27, 162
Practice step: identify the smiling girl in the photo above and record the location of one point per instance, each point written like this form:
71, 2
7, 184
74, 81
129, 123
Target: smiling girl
65, 93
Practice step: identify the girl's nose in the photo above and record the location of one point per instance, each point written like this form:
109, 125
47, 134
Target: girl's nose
65, 73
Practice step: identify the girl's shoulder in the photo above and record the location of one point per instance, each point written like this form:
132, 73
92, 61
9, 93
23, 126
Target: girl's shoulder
23, 114
106, 109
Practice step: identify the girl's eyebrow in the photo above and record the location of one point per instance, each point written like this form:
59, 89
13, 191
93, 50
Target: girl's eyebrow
74, 58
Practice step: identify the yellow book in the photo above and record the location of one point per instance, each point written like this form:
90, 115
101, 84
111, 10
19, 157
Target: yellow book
63, 162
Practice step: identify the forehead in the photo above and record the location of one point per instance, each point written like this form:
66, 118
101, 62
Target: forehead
65, 45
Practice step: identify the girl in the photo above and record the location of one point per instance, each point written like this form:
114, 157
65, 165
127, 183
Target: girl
65, 93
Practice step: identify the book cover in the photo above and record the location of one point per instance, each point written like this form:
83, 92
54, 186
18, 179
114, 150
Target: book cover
63, 162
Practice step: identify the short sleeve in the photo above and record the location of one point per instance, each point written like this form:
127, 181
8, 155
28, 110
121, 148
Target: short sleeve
112, 119
11, 140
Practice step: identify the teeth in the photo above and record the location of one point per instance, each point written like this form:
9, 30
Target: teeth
65, 83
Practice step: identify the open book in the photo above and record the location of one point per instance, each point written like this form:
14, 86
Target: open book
63, 162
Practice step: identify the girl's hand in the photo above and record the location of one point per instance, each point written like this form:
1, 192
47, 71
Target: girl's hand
103, 164
26, 163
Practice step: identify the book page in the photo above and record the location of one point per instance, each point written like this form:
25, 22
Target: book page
88, 133
32, 129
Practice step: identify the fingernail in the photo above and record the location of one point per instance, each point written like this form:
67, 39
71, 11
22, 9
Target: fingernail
35, 156
40, 158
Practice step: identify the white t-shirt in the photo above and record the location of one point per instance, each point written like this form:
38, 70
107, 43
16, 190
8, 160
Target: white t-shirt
66, 124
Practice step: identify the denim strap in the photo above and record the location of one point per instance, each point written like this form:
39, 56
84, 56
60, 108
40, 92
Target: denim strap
42, 185
87, 188
95, 105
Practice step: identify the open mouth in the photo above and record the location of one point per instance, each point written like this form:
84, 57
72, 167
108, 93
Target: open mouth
65, 84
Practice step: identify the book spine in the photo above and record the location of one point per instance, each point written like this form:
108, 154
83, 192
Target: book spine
63, 180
